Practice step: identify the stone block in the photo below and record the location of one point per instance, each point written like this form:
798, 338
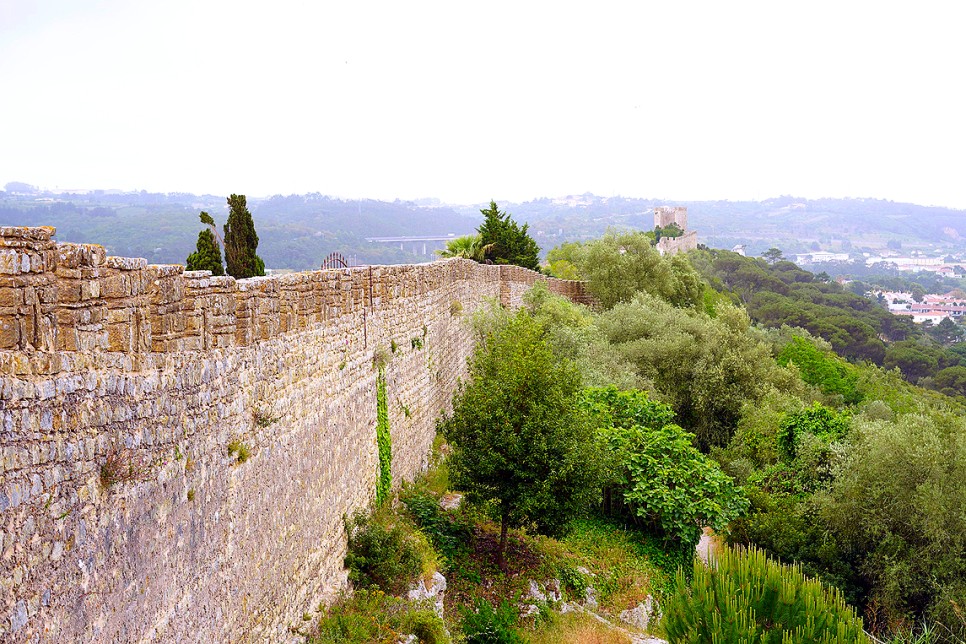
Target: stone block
79, 255
10, 297
126, 263
9, 332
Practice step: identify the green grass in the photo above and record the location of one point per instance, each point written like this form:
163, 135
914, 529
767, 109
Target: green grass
626, 565
576, 628
373, 617
239, 450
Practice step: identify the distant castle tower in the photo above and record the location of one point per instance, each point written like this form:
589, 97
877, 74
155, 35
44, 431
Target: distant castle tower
665, 215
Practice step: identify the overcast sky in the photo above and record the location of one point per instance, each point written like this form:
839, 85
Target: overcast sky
467, 101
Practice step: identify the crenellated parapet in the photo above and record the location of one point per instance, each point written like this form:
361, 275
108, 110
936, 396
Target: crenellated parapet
108, 360
74, 297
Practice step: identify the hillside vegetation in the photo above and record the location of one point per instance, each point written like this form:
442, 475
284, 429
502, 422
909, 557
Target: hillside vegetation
781, 294
699, 418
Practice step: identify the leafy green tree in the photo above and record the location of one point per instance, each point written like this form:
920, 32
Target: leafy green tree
817, 420
520, 441
505, 241
571, 331
947, 332
830, 373
899, 500
562, 263
671, 230
705, 368
619, 265
951, 381
207, 257
661, 479
914, 359
241, 241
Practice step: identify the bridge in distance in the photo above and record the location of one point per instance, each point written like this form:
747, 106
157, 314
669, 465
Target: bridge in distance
415, 241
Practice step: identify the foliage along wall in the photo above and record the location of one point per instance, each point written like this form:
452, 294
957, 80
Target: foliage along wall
177, 450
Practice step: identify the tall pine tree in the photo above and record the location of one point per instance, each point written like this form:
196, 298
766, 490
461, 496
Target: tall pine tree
241, 240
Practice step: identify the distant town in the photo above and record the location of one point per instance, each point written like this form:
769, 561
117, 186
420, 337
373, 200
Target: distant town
945, 265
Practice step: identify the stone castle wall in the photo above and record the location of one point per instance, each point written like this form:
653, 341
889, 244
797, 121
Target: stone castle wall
667, 215
106, 359
674, 245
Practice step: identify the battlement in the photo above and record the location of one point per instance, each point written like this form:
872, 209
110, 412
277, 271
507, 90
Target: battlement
74, 297
666, 215
108, 358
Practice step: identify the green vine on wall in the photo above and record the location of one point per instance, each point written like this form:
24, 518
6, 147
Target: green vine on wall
383, 439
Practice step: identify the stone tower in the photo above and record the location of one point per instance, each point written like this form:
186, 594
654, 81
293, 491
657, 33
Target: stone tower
664, 215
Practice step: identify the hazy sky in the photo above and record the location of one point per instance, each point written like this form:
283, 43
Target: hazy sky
467, 101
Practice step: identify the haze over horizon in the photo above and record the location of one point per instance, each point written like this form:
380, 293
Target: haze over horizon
692, 101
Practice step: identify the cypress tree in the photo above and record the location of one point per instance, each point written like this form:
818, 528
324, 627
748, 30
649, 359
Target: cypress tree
241, 240
505, 241
207, 257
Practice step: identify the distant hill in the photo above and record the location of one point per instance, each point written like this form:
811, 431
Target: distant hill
298, 231
790, 223
295, 232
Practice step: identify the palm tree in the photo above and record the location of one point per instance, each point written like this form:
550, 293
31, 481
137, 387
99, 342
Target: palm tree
467, 246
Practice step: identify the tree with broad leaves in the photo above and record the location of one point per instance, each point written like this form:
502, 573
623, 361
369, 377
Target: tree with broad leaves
521, 444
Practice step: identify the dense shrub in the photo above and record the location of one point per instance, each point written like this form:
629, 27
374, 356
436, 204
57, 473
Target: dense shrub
899, 499
381, 554
666, 482
793, 528
450, 533
654, 470
705, 368
619, 265
823, 369
371, 616
745, 597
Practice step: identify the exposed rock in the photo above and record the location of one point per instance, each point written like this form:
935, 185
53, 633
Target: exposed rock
706, 546
553, 590
528, 610
535, 592
571, 607
590, 598
451, 501
640, 616
434, 590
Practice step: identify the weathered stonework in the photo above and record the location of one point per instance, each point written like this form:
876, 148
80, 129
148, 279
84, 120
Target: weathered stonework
104, 356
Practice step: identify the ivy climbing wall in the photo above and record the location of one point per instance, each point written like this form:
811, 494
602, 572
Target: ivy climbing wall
123, 514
